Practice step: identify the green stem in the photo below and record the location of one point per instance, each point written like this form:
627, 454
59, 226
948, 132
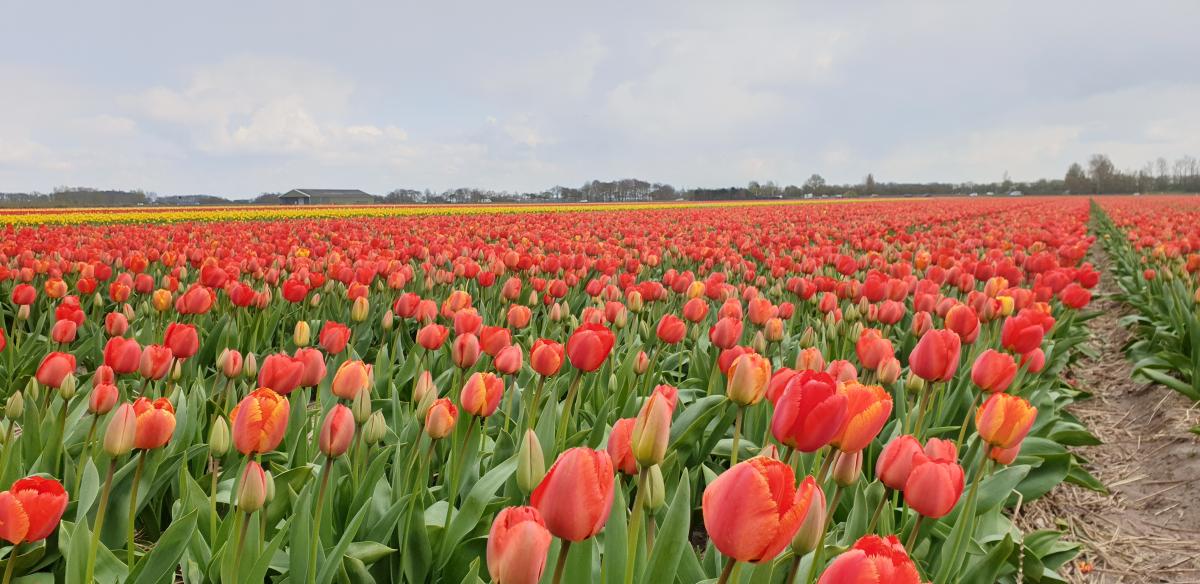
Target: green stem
95, 544
244, 520
912, 535
215, 468
456, 472
533, 405
737, 434
84, 451
820, 551
9, 565
962, 432
316, 536
727, 570
133, 493
561, 436
561, 565
879, 510
794, 569
635, 526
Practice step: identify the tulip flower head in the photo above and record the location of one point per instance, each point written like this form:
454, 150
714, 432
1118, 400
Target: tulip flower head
30, 510
753, 510
517, 546
872, 560
576, 494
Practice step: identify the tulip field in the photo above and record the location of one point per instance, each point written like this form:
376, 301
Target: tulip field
799, 392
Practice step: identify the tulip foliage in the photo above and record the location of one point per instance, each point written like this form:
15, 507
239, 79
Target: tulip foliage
672, 393
1154, 244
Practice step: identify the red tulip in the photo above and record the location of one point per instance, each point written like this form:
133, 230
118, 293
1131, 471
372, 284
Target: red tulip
1021, 333
281, 372
576, 494
588, 347
115, 324
63, 332
493, 339
102, 399
517, 546
509, 360
314, 366
896, 460
935, 358
31, 509
182, 340
670, 329
872, 349
752, 510
993, 371
432, 336
465, 351
334, 337
260, 421
809, 412
726, 332
155, 362
934, 486
54, 368
620, 446
337, 431
872, 560
962, 321
122, 355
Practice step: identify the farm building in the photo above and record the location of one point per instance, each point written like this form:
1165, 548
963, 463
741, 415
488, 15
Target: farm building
325, 197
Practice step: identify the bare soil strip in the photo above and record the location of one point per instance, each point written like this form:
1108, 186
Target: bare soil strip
1148, 528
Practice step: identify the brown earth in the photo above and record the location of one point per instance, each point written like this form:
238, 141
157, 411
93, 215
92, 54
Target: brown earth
1148, 528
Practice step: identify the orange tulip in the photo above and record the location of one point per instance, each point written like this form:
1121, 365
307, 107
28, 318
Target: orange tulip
620, 446
440, 419
481, 395
589, 346
933, 486
155, 362
652, 429
517, 546
432, 336
809, 413
1004, 420
464, 352
350, 378
155, 423
576, 494
260, 421
314, 366
334, 337
752, 510
748, 378
867, 410
546, 357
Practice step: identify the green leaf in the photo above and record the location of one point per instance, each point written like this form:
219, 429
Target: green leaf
159, 564
473, 506
995, 489
332, 559
368, 552
986, 570
616, 538
672, 540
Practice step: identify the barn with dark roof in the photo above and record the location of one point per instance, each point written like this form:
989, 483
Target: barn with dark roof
325, 197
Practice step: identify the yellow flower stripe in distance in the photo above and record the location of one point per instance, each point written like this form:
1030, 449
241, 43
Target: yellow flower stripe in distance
31, 217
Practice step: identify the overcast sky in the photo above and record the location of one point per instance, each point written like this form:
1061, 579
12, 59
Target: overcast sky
236, 98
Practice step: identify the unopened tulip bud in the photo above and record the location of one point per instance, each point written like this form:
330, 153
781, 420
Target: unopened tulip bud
122, 428
218, 438
252, 490
641, 363
852, 314
68, 386
177, 370
914, 385
23, 312
15, 406
4, 424
888, 371
634, 301
388, 320
425, 403
361, 406
759, 343
773, 330
808, 537
250, 367
622, 319
302, 334
656, 490
375, 428
531, 464
315, 301
808, 338
556, 313
856, 330
358, 312
337, 431
847, 468
33, 389
270, 486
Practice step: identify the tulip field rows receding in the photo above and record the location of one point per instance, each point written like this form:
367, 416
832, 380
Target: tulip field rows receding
835, 393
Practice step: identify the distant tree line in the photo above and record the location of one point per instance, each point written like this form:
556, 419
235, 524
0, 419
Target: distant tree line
1099, 176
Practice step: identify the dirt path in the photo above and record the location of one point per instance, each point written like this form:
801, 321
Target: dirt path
1148, 528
